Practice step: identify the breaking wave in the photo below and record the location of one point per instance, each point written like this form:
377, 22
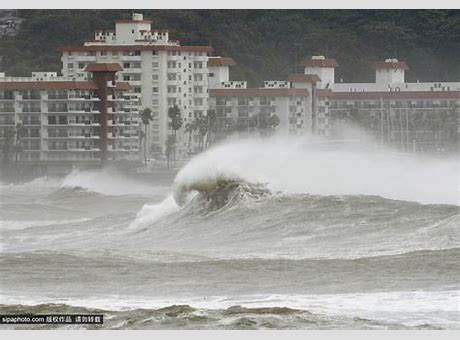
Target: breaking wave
295, 166
254, 168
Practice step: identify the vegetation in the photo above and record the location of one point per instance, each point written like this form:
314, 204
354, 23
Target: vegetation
146, 118
266, 44
12, 143
174, 114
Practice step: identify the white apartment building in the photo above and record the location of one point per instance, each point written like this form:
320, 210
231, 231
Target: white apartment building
237, 107
395, 111
159, 69
406, 115
70, 120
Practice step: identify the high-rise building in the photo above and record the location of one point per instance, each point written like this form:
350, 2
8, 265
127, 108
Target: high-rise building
47, 118
162, 71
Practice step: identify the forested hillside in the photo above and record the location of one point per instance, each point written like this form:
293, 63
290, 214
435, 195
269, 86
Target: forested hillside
264, 43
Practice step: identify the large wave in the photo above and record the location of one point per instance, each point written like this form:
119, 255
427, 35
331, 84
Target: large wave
311, 166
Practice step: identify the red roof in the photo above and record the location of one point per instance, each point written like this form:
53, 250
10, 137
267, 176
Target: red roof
133, 48
391, 65
103, 67
320, 63
303, 78
324, 93
219, 61
390, 95
122, 86
48, 85
254, 92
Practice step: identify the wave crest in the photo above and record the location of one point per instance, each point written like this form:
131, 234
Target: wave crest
213, 193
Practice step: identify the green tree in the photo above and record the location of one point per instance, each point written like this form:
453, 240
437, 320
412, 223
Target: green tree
273, 122
20, 132
202, 127
212, 126
8, 144
146, 118
190, 127
174, 114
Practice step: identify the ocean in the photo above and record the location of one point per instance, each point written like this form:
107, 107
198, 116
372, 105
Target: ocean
253, 234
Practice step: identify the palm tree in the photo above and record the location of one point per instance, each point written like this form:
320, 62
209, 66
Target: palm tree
20, 132
211, 116
189, 128
8, 145
273, 122
146, 117
176, 123
202, 127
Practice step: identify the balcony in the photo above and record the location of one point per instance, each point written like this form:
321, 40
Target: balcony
31, 123
86, 58
54, 136
7, 123
32, 97
131, 58
55, 97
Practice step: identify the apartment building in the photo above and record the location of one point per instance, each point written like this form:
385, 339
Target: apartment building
410, 116
159, 69
69, 120
243, 111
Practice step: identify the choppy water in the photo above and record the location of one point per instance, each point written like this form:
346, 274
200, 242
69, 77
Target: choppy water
247, 257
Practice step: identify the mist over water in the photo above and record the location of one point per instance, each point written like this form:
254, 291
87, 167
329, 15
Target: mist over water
309, 166
271, 233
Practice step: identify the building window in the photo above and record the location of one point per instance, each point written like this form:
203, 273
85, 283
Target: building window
211, 74
155, 65
81, 65
103, 53
70, 65
155, 90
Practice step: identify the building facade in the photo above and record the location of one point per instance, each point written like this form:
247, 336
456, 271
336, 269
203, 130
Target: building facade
158, 68
408, 116
46, 118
